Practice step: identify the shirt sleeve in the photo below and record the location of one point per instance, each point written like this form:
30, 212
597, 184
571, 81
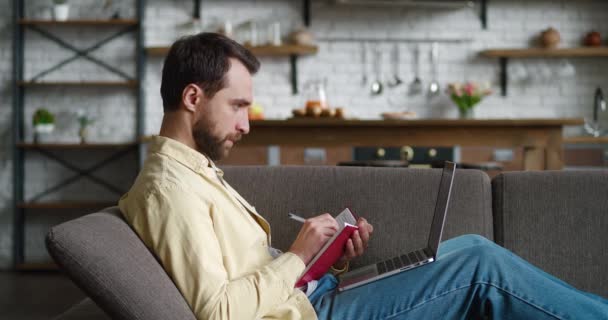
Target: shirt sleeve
178, 228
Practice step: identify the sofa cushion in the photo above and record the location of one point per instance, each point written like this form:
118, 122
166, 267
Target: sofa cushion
107, 260
557, 220
85, 309
398, 202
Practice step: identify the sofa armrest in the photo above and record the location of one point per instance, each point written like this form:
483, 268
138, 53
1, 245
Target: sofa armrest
85, 309
557, 220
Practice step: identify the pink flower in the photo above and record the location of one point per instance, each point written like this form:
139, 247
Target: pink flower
469, 88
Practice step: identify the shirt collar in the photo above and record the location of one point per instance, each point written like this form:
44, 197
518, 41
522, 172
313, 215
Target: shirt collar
182, 153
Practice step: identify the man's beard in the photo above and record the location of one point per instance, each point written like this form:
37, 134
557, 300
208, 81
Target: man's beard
212, 146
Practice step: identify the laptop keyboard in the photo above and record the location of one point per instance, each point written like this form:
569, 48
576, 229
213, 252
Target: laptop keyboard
398, 262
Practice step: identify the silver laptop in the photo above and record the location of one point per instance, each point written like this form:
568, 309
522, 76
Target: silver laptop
408, 261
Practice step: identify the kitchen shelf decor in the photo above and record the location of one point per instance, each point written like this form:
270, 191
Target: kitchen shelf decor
56, 152
505, 54
293, 51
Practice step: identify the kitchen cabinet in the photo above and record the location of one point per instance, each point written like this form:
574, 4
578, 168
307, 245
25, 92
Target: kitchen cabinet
540, 139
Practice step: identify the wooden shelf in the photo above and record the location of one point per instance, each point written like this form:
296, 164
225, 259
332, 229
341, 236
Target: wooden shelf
79, 22
66, 205
585, 140
277, 51
505, 54
41, 266
284, 50
130, 84
70, 146
287, 50
547, 53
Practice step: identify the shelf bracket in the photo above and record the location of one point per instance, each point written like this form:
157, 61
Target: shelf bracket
483, 13
293, 61
306, 12
504, 76
196, 14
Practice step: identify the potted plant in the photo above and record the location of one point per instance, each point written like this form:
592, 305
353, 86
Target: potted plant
61, 10
466, 96
44, 124
84, 120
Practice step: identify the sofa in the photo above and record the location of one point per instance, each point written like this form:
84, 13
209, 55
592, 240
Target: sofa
557, 220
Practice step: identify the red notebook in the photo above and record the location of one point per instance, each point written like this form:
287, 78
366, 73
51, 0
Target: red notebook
331, 252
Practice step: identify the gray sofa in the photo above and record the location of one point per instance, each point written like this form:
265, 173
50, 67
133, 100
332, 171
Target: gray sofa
556, 220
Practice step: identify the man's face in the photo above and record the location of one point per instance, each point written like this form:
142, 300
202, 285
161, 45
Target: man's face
223, 120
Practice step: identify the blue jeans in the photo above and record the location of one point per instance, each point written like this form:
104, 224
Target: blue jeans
473, 278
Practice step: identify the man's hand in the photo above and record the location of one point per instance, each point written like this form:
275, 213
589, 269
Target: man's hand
313, 235
356, 245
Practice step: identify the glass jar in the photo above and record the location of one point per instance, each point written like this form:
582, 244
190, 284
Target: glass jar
316, 98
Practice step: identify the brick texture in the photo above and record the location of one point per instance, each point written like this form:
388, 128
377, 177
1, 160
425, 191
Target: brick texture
544, 92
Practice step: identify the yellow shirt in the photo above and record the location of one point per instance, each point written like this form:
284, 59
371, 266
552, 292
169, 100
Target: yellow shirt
210, 241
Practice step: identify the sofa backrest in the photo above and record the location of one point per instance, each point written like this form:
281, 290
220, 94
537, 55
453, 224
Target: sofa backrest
398, 202
108, 261
102, 254
558, 221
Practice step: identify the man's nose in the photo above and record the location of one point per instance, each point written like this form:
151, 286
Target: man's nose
242, 124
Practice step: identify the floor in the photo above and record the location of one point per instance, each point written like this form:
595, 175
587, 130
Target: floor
36, 295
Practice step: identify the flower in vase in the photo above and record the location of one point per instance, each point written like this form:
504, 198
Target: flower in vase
467, 95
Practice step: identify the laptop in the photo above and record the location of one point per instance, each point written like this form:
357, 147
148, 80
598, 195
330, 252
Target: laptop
416, 258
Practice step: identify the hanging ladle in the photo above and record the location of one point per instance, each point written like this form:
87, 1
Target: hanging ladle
376, 87
396, 81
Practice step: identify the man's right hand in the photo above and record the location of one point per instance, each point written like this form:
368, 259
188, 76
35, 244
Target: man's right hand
313, 235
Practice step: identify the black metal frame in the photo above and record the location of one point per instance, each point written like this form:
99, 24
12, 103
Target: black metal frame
18, 115
18, 112
84, 53
87, 172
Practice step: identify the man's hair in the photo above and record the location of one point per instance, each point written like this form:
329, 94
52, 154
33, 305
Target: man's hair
201, 59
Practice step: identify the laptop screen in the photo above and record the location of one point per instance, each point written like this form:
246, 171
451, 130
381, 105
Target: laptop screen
441, 206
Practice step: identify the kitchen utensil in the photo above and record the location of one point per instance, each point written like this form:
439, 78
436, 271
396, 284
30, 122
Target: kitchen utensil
376, 87
416, 85
364, 64
434, 85
595, 127
396, 81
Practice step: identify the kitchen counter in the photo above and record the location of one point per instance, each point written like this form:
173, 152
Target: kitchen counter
541, 139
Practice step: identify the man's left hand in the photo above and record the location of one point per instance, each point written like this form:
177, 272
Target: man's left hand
356, 245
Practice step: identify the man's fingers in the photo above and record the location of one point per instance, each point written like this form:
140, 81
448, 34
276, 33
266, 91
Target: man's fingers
350, 249
358, 243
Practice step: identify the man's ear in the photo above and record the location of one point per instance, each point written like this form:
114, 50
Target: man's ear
192, 96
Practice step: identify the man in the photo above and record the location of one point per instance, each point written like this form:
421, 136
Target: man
216, 247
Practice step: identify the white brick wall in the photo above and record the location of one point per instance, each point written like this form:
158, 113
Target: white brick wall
511, 24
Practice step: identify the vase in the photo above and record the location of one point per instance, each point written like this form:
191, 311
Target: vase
42, 132
83, 134
466, 113
61, 12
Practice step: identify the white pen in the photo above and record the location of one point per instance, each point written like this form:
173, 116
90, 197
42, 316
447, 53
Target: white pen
296, 217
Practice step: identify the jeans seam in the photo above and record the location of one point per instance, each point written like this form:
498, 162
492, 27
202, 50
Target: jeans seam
467, 286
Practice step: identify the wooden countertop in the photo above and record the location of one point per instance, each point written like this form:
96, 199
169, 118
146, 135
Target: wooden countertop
586, 140
322, 122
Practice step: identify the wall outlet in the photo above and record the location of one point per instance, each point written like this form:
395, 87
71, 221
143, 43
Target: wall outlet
503, 155
315, 156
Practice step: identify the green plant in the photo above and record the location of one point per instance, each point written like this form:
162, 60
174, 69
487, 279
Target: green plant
43, 116
60, 1
83, 119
